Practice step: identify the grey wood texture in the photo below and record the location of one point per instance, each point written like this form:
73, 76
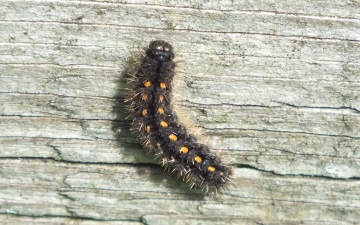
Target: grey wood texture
274, 85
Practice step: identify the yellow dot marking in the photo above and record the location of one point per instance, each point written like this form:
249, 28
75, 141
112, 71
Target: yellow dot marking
161, 98
162, 85
184, 149
147, 83
164, 124
198, 159
161, 110
173, 137
144, 112
147, 129
144, 97
211, 168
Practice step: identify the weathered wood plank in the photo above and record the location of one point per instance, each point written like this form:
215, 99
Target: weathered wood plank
44, 187
275, 87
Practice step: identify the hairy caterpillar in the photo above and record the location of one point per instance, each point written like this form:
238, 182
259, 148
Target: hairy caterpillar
159, 128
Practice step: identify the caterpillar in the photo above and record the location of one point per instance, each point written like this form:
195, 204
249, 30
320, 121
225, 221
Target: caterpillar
158, 126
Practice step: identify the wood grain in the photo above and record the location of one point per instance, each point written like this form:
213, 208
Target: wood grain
273, 85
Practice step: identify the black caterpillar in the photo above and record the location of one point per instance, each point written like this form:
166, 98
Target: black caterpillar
158, 125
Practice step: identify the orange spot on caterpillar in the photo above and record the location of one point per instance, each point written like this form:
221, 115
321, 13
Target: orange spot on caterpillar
164, 124
161, 110
145, 97
147, 83
173, 137
162, 85
198, 159
211, 168
144, 112
184, 149
161, 98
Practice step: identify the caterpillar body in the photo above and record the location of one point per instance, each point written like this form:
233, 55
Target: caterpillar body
158, 125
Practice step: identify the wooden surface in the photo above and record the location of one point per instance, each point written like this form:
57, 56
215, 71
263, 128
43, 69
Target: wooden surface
273, 84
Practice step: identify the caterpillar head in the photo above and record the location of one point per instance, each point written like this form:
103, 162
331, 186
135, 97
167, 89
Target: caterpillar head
160, 51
